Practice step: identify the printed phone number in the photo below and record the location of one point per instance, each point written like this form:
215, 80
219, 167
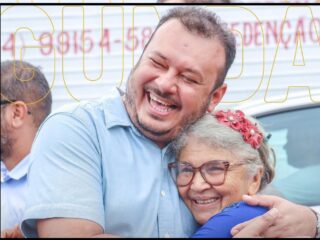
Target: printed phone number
78, 42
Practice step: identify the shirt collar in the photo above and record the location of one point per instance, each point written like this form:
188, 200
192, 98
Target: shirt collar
115, 113
18, 172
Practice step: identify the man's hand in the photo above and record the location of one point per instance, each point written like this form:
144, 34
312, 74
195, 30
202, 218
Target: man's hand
12, 233
255, 228
293, 220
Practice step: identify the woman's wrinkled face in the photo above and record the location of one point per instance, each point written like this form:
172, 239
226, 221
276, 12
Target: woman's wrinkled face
205, 200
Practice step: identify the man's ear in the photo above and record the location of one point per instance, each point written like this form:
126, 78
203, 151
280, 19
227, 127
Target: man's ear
255, 182
216, 97
18, 111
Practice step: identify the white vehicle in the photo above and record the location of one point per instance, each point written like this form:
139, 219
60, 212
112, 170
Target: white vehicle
295, 137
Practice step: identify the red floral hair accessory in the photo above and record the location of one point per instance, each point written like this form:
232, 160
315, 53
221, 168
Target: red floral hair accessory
237, 121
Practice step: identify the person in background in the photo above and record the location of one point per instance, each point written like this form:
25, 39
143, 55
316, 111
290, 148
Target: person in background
25, 103
220, 158
101, 167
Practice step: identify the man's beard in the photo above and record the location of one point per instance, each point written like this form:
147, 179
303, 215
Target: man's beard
131, 94
131, 107
6, 142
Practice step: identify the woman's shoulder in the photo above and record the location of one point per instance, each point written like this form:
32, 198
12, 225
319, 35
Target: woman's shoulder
221, 224
237, 213
242, 208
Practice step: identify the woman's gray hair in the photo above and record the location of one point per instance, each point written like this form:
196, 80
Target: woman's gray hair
208, 130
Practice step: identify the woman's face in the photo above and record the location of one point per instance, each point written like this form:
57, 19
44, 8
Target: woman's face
205, 200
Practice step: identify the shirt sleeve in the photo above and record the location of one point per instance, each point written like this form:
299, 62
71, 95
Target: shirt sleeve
220, 225
64, 179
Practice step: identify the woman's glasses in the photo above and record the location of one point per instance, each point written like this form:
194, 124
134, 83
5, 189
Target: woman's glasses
213, 172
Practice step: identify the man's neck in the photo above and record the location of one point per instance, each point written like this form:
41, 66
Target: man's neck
10, 163
149, 135
15, 158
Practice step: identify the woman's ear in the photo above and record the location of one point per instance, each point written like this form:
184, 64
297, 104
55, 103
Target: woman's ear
255, 182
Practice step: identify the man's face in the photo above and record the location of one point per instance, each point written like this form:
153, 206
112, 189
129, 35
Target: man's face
172, 84
6, 139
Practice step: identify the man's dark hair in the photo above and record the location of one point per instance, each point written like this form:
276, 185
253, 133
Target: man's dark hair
21, 81
206, 24
200, 1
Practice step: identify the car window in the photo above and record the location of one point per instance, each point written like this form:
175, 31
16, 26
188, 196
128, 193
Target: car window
296, 141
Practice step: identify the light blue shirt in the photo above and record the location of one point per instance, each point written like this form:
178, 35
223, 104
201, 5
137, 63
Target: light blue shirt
90, 162
13, 193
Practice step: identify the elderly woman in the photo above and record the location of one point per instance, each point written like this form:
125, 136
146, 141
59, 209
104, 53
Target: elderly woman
219, 159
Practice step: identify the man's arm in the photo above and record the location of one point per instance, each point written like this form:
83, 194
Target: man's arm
292, 220
255, 227
61, 227
64, 181
67, 227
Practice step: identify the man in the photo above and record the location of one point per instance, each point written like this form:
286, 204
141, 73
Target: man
25, 102
101, 167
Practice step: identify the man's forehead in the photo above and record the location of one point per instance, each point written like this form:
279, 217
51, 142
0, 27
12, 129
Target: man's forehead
172, 30
171, 24
174, 27
164, 32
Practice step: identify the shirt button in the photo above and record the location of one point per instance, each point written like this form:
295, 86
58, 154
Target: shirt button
163, 193
167, 235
